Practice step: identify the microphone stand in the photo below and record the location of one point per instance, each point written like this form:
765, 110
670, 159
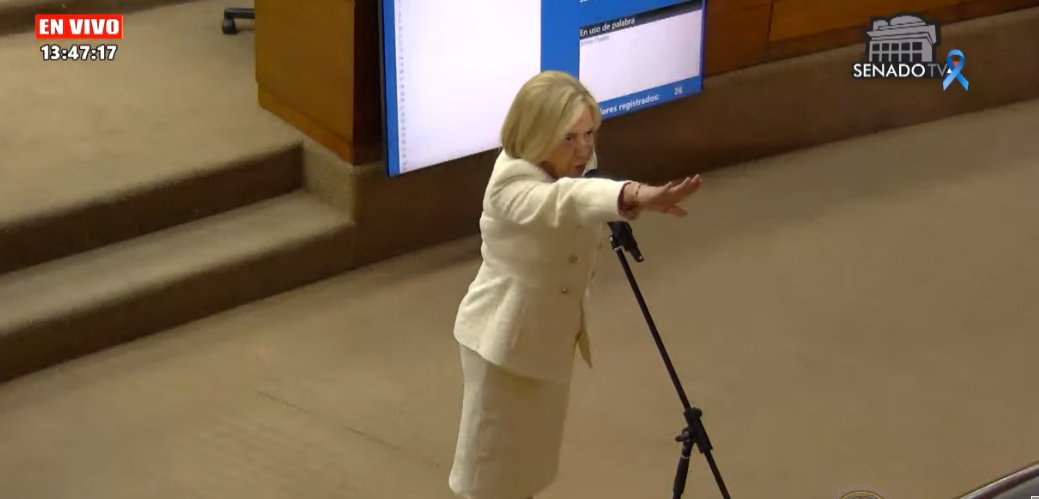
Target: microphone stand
694, 433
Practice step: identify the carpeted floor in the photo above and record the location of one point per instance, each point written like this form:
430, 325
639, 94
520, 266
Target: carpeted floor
857, 316
177, 99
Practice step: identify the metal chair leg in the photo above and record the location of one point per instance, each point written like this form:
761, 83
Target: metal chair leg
232, 13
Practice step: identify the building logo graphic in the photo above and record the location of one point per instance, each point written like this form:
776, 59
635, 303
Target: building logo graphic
903, 46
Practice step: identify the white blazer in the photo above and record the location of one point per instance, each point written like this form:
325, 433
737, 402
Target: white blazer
525, 310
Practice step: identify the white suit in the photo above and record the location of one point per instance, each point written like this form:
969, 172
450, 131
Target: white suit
525, 309
520, 321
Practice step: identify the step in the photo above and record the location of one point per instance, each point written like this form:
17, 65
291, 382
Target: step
70, 307
111, 213
168, 132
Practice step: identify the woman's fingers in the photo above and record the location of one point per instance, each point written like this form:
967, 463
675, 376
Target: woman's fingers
679, 191
689, 185
665, 197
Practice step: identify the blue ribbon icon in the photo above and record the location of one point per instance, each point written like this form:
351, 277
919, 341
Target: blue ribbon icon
954, 70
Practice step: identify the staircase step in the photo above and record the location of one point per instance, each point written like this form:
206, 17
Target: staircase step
168, 132
103, 214
70, 307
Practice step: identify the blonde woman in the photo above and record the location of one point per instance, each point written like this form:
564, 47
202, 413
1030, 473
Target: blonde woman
523, 316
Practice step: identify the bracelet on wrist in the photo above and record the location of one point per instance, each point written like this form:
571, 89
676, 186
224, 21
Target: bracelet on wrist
624, 204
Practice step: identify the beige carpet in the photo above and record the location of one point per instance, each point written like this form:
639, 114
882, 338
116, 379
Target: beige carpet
178, 100
861, 315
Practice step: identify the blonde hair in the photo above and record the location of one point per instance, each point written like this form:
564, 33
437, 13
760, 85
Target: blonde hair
541, 115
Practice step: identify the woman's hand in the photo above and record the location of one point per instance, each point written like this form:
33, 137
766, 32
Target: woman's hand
663, 198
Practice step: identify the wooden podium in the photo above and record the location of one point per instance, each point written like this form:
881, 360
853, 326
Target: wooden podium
318, 68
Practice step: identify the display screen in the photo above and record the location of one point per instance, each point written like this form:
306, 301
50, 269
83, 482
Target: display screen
452, 67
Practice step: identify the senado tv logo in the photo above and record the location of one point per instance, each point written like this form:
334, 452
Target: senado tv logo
903, 46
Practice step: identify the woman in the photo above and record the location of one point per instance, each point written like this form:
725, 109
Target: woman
523, 316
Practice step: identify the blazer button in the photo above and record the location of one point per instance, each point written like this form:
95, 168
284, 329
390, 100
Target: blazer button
566, 291
573, 258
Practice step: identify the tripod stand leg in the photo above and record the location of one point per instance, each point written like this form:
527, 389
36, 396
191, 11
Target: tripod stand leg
683, 464
694, 432
717, 475
698, 436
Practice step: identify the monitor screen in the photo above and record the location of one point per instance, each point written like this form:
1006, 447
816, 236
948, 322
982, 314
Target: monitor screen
452, 67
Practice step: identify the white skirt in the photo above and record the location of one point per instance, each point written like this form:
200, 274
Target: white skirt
511, 432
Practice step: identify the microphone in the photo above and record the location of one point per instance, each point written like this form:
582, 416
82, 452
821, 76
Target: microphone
620, 231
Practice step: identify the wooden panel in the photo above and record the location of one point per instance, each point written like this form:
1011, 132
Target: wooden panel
304, 56
799, 18
740, 33
356, 151
845, 36
736, 34
317, 67
982, 8
367, 73
725, 6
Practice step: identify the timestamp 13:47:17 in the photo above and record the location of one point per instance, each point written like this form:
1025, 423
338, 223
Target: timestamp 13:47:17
80, 52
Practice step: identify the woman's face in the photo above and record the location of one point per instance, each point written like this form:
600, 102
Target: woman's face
569, 158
